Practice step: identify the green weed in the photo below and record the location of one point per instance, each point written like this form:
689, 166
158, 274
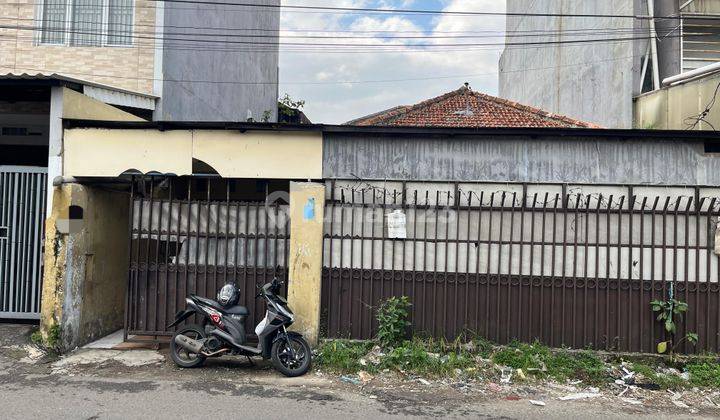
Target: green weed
342, 355
704, 374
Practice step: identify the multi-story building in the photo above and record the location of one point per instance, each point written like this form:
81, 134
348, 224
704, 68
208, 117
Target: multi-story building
591, 67
120, 60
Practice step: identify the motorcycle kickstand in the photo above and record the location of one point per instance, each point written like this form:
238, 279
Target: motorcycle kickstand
250, 360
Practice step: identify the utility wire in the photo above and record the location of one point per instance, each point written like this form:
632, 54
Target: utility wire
345, 45
343, 82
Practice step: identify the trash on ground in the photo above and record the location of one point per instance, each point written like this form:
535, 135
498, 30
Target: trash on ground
538, 403
579, 396
350, 380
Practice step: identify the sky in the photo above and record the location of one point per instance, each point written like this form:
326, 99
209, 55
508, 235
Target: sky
328, 82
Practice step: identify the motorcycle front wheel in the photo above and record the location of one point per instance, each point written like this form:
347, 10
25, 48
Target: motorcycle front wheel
183, 357
291, 356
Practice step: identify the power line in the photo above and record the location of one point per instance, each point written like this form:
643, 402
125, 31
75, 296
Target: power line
280, 43
398, 11
342, 82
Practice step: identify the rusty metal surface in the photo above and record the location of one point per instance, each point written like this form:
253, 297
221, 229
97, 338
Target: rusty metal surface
191, 236
567, 269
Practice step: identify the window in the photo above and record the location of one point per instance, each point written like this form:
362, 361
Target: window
87, 22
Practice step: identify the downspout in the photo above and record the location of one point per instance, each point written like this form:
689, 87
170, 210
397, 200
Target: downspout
653, 44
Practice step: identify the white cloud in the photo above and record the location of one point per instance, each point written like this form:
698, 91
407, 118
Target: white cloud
339, 102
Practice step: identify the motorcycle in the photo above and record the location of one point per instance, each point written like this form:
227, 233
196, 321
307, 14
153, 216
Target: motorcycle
223, 331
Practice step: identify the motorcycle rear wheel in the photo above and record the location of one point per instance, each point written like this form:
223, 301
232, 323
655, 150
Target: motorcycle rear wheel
181, 356
282, 358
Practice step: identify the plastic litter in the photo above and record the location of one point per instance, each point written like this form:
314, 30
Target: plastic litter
350, 380
579, 396
538, 403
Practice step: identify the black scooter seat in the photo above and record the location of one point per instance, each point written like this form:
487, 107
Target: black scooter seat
237, 310
233, 310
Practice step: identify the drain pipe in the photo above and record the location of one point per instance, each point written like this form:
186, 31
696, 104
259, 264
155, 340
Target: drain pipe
689, 75
653, 44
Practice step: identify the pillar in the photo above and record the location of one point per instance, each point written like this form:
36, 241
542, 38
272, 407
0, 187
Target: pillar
307, 208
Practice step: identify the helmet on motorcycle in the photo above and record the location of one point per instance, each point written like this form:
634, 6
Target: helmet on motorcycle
228, 295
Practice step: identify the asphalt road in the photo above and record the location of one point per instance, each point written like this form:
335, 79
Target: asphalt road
117, 385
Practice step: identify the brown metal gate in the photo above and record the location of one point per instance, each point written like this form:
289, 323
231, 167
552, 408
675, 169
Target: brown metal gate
569, 266
191, 235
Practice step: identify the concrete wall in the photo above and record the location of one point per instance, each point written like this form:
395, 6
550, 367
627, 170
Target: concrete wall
232, 154
676, 107
589, 81
129, 67
253, 67
520, 159
86, 263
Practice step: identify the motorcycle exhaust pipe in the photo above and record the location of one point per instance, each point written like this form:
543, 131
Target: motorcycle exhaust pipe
188, 343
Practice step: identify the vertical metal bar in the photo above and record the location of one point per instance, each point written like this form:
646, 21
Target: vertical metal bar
596, 320
698, 206
574, 271
425, 258
392, 251
608, 242
686, 216
265, 239
653, 279
477, 264
641, 311
330, 303
552, 284
566, 211
499, 274
158, 266
237, 239
3, 240
467, 261
708, 272
148, 253
508, 326
457, 258
445, 265
178, 242
128, 295
585, 335
541, 307
21, 261
531, 295
14, 243
631, 231
523, 210
382, 246
414, 258
342, 262
216, 262
618, 316
166, 303
435, 244
246, 252
227, 231
361, 235
351, 286
136, 302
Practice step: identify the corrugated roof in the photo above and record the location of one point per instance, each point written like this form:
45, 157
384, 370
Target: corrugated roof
68, 79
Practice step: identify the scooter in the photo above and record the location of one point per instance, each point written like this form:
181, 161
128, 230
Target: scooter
223, 331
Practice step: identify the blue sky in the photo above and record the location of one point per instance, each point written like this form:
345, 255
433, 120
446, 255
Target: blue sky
330, 82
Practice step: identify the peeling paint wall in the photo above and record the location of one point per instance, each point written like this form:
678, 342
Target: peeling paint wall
520, 159
86, 270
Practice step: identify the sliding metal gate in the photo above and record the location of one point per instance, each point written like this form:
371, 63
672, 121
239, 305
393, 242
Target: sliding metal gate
191, 236
22, 217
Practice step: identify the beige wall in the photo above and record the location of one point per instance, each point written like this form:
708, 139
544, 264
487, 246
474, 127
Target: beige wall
674, 107
129, 67
252, 154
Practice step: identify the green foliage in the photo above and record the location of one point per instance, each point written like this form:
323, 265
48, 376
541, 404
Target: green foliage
668, 312
393, 324
53, 337
704, 374
288, 107
342, 355
538, 360
663, 380
36, 338
416, 356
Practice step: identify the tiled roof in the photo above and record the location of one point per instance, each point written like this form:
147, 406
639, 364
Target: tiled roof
467, 108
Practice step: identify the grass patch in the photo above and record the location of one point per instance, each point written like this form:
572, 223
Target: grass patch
425, 358
663, 380
538, 360
342, 355
704, 374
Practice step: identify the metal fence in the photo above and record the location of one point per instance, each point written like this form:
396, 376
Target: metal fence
568, 265
22, 231
191, 236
